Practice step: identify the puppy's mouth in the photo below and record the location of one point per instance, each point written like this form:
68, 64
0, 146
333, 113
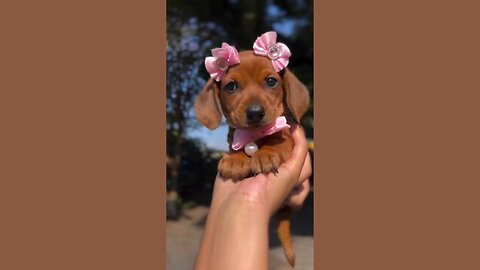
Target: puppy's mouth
255, 125
244, 124
258, 124
251, 118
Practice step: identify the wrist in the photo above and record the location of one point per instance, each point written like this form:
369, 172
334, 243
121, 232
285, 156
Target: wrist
243, 210
238, 231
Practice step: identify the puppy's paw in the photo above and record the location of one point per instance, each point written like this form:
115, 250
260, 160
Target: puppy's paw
265, 161
235, 166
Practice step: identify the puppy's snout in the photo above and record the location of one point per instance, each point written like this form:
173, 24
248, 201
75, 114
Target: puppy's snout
255, 113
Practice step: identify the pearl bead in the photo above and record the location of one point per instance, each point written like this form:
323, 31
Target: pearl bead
251, 148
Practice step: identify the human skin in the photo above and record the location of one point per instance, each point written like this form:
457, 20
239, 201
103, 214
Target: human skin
236, 230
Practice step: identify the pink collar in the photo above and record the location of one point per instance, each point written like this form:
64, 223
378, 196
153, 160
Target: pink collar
241, 137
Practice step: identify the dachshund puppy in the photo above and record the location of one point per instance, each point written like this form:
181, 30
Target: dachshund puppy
252, 94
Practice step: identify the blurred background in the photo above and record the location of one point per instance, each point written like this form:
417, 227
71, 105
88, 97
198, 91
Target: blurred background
193, 29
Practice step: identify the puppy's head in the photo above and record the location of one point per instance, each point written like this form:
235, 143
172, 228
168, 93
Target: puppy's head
251, 95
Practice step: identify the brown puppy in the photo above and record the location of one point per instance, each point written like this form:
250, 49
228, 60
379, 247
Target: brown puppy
251, 95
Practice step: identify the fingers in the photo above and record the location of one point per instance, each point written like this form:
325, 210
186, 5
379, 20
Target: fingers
306, 169
298, 195
300, 150
292, 168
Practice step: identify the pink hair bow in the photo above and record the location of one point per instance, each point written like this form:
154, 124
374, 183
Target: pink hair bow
267, 45
221, 60
242, 137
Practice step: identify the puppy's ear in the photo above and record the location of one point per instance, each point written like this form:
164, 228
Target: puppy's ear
207, 107
296, 95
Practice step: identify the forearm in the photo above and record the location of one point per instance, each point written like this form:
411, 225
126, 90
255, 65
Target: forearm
236, 237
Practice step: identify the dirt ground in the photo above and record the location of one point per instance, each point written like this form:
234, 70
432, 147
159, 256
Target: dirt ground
183, 238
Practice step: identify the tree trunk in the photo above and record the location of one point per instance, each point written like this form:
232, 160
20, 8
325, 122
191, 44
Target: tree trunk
176, 160
172, 197
251, 20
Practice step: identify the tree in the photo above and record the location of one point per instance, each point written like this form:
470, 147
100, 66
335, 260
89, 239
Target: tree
188, 43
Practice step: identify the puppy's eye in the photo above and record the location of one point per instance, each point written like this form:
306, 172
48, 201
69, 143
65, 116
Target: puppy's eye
231, 86
271, 82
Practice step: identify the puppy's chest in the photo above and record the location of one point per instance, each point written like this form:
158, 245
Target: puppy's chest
281, 139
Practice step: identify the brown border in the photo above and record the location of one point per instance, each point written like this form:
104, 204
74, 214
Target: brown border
316, 133
397, 137
82, 155
83, 143
163, 126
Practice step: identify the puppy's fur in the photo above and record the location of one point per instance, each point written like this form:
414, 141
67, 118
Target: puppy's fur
289, 97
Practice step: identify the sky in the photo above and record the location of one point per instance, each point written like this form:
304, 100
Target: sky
216, 139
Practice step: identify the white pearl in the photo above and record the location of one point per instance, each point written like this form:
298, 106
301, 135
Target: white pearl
251, 148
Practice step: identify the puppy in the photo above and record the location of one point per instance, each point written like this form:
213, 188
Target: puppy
252, 95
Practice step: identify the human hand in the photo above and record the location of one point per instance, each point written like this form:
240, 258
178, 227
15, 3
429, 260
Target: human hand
289, 186
236, 231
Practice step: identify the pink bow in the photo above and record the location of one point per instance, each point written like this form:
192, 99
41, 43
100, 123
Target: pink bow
242, 137
222, 59
266, 45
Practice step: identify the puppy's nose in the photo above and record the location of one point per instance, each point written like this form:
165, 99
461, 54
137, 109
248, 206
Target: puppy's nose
255, 113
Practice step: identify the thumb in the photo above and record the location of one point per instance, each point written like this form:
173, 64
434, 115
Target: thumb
300, 150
